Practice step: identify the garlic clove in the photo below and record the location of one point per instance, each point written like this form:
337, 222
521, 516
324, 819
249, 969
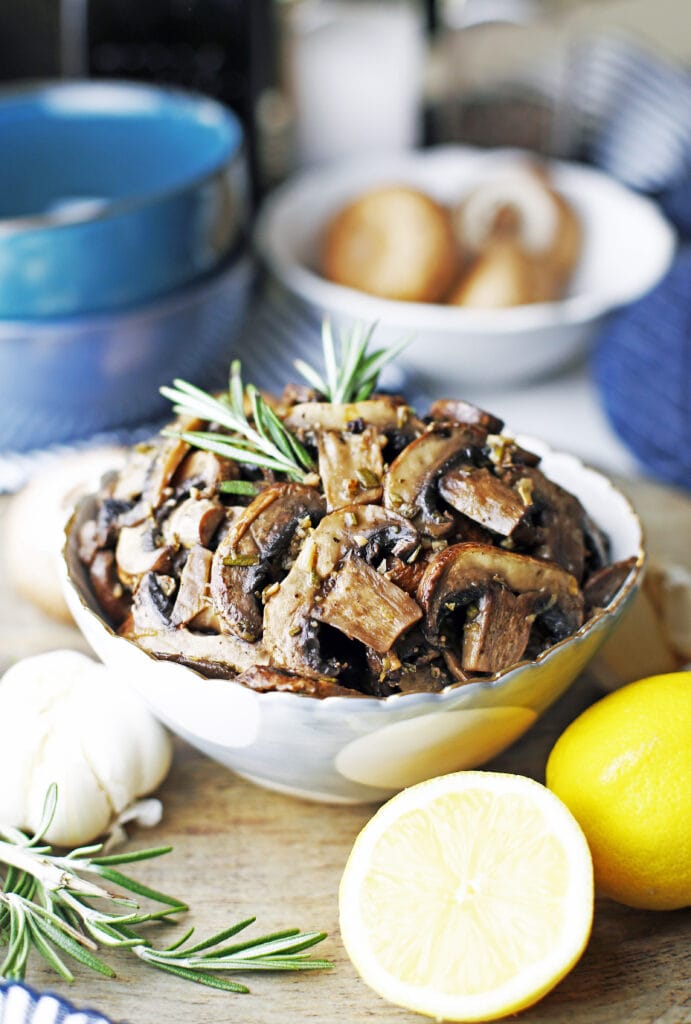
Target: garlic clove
129, 752
70, 721
83, 810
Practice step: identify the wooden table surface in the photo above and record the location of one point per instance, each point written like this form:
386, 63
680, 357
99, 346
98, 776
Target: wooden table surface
240, 850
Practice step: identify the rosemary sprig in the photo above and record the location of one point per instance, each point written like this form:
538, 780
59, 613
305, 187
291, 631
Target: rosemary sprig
50, 905
350, 375
264, 442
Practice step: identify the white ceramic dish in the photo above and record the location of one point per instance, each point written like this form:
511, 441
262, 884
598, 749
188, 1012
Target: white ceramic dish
363, 749
627, 248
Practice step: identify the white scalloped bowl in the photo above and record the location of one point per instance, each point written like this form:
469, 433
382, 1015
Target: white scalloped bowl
364, 749
627, 248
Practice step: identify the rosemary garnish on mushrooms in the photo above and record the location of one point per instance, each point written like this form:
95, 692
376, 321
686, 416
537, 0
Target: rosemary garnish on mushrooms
350, 375
263, 442
49, 907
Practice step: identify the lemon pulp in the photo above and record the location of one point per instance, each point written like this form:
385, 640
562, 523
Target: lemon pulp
467, 897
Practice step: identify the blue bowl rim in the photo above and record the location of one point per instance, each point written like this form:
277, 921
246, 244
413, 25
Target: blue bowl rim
20, 225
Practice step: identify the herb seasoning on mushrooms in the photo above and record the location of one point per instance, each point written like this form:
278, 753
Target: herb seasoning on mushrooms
332, 542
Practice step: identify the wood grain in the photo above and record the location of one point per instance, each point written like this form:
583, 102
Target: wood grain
240, 850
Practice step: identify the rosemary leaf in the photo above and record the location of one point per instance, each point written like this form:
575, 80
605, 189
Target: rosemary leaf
265, 442
137, 887
48, 953
126, 857
194, 975
239, 487
350, 375
46, 907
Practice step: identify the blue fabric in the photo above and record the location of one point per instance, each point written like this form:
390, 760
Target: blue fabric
19, 1004
642, 366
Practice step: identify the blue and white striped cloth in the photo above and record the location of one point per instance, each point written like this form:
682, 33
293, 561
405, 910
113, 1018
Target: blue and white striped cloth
633, 113
21, 1005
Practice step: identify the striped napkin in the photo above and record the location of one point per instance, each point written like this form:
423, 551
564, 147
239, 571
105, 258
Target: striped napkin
21, 1005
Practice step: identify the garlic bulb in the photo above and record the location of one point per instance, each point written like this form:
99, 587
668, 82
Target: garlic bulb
66, 719
33, 533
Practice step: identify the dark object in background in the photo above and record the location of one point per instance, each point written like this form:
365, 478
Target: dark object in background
223, 48
642, 367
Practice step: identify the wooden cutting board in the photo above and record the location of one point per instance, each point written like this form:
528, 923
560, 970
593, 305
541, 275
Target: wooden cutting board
240, 850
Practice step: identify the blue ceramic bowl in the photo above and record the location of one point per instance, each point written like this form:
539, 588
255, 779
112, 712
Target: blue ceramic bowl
112, 194
68, 378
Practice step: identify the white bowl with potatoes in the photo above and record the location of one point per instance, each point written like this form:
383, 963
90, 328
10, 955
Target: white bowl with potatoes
500, 267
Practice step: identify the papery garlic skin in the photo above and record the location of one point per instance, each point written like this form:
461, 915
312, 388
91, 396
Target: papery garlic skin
68, 720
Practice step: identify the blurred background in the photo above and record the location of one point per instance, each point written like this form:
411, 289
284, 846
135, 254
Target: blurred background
543, 74
604, 83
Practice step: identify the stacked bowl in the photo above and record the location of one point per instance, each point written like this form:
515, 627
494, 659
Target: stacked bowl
123, 252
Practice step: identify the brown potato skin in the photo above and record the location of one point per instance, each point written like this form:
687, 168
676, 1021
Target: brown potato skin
394, 242
503, 275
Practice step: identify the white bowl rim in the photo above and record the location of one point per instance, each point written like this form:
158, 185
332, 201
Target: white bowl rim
572, 309
409, 700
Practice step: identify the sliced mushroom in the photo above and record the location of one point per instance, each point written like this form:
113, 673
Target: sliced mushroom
455, 410
296, 394
168, 458
410, 485
558, 535
149, 625
351, 467
480, 496
407, 573
109, 591
596, 542
138, 552
193, 593
497, 629
602, 586
503, 452
132, 477
193, 521
261, 534
265, 679
422, 679
382, 413
203, 471
463, 573
291, 630
101, 532
365, 606
164, 458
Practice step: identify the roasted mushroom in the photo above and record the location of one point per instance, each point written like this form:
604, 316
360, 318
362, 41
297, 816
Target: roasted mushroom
410, 483
424, 554
470, 590
262, 534
291, 615
150, 626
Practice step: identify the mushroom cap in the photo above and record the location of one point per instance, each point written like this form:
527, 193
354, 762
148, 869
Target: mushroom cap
462, 572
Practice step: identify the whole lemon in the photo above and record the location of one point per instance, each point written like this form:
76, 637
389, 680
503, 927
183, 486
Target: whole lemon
623, 768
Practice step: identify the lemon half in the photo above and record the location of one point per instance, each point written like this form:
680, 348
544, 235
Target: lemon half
467, 897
